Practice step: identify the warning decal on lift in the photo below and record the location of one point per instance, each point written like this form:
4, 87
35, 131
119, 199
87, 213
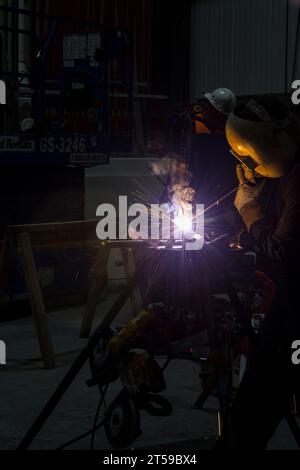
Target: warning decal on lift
89, 158
15, 143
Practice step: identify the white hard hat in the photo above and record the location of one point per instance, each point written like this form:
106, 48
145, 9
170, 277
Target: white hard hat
222, 99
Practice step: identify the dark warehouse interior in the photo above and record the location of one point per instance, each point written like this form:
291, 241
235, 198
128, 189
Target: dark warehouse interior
150, 228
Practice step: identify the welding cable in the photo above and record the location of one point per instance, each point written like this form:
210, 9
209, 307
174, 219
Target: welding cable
91, 431
82, 436
96, 427
99, 425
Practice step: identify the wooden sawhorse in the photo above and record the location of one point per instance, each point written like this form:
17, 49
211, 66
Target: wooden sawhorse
28, 239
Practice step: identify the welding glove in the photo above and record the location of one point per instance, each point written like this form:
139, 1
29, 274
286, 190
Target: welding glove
247, 197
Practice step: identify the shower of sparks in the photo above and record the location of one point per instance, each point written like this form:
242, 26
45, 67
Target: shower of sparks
183, 221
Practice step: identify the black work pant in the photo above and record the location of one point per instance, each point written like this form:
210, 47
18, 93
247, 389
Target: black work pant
264, 393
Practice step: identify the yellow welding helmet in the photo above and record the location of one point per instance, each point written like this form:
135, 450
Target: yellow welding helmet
259, 136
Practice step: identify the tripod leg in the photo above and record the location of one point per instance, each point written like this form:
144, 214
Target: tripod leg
36, 301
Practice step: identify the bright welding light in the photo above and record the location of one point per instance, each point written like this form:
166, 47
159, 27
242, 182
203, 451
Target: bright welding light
184, 222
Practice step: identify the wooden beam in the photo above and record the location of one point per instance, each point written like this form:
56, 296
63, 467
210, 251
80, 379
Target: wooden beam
36, 300
130, 271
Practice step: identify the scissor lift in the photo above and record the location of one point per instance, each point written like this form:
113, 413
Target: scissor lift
71, 112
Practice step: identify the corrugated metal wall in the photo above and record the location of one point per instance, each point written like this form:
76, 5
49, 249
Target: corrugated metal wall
242, 45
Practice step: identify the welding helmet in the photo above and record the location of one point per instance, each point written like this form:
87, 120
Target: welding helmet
222, 99
260, 138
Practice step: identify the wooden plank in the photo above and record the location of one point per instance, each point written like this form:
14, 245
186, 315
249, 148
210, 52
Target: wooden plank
54, 226
90, 244
98, 284
36, 301
62, 234
94, 243
57, 233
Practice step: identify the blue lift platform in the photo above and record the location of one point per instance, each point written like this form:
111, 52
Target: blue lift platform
82, 87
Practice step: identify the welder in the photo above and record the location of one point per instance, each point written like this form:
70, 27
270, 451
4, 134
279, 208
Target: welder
264, 136
207, 116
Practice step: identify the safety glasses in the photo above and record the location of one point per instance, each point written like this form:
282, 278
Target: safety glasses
247, 161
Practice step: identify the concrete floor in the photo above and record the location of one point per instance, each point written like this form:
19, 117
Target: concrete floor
25, 387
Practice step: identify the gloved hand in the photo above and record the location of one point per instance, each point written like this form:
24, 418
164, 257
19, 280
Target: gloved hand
252, 185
